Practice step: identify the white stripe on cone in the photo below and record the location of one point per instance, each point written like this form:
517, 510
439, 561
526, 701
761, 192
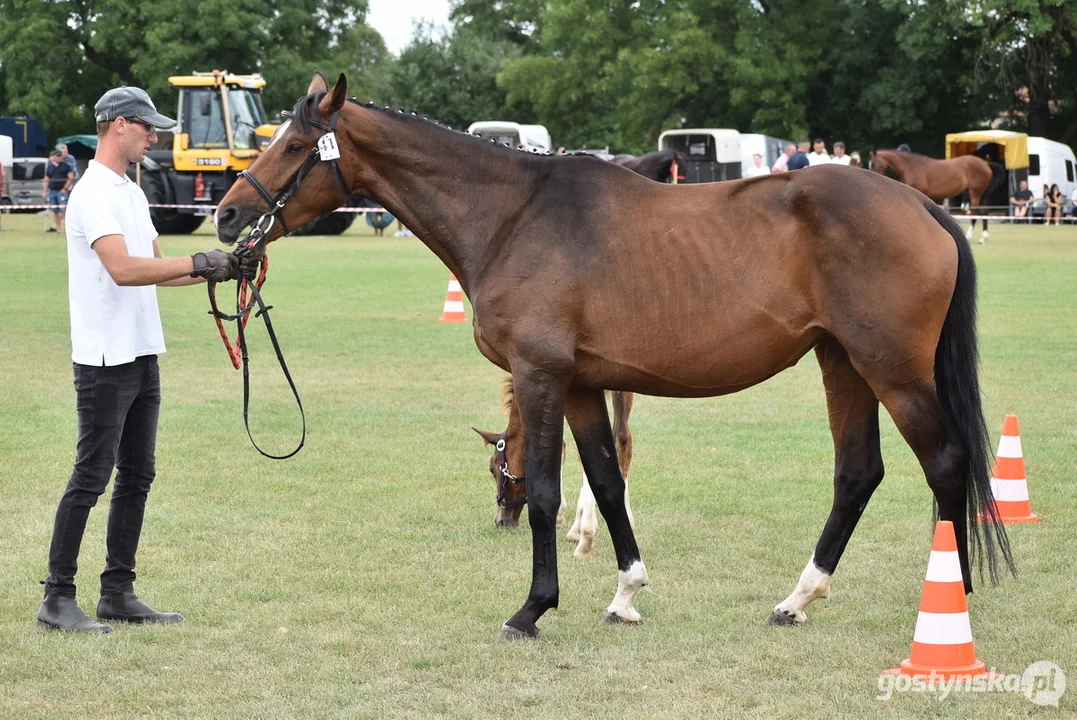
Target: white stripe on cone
454, 306
1009, 446
944, 567
943, 628
454, 284
1009, 490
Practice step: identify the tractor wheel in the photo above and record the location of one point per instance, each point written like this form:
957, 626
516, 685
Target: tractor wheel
167, 221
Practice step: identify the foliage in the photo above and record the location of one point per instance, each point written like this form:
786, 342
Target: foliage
59, 57
598, 73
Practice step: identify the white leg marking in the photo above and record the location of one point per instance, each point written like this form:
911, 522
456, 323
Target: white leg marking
814, 584
628, 508
574, 531
588, 521
561, 507
983, 237
629, 583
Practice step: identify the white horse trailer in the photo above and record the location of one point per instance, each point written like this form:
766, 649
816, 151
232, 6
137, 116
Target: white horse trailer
532, 137
708, 155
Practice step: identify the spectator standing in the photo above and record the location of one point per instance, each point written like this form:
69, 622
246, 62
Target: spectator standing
854, 159
68, 159
799, 159
1021, 199
840, 158
58, 180
818, 156
758, 168
782, 163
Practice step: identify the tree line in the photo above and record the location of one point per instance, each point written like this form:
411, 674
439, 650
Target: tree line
597, 73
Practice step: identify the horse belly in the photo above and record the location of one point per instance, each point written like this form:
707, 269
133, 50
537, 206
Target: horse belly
686, 356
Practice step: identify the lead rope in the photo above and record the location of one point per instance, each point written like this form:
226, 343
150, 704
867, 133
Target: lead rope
237, 353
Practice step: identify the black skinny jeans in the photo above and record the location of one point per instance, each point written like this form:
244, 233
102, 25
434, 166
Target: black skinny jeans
117, 409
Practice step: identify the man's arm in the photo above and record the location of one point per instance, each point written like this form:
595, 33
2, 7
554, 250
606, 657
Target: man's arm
177, 282
70, 181
131, 271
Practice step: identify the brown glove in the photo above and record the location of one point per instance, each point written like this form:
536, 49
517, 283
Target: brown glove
215, 266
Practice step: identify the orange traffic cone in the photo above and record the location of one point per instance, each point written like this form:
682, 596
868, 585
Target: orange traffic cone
942, 642
1008, 483
454, 303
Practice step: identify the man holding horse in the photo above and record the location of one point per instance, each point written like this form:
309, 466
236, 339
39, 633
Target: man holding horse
114, 266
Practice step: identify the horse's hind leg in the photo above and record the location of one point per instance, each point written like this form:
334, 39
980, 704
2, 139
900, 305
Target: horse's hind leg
590, 423
585, 528
858, 470
920, 419
622, 408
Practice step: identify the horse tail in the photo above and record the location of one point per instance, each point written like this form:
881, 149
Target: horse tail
957, 386
998, 176
620, 414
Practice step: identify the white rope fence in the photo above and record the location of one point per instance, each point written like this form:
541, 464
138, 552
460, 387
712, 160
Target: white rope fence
957, 214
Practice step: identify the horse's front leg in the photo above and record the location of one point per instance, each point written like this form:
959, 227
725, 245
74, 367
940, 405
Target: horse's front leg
540, 396
590, 423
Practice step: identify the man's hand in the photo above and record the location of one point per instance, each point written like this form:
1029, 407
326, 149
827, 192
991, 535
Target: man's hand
216, 266
248, 267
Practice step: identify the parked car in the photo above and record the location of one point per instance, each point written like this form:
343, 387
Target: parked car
26, 181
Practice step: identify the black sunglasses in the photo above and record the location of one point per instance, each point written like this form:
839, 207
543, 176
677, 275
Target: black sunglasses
143, 123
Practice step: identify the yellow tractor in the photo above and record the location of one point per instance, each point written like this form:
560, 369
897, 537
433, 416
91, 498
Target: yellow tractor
222, 127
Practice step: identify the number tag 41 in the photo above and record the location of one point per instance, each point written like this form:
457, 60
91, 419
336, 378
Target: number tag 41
327, 147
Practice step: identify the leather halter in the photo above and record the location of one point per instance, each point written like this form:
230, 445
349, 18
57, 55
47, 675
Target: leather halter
276, 204
504, 477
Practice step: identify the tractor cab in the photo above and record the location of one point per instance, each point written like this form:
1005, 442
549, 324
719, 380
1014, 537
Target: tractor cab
222, 124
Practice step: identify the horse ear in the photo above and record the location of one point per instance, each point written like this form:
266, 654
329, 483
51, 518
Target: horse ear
488, 438
318, 83
334, 99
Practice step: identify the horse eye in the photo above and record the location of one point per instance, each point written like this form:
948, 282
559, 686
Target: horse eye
294, 148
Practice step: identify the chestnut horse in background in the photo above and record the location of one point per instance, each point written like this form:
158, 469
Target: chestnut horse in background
944, 179
743, 278
507, 466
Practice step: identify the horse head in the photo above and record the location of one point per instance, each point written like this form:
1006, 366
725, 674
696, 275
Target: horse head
878, 163
507, 463
298, 177
510, 488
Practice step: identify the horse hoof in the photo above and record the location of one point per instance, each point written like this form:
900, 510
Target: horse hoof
510, 634
615, 619
782, 618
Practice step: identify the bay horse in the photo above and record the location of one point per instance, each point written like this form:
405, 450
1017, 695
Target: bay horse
743, 278
657, 165
944, 179
508, 467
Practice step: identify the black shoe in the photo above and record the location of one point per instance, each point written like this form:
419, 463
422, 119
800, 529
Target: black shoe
52, 230
126, 607
63, 613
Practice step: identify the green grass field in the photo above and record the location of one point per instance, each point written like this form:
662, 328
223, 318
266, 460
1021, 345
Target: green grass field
364, 577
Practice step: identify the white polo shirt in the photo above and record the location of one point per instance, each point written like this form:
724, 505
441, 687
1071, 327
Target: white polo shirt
815, 158
110, 325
